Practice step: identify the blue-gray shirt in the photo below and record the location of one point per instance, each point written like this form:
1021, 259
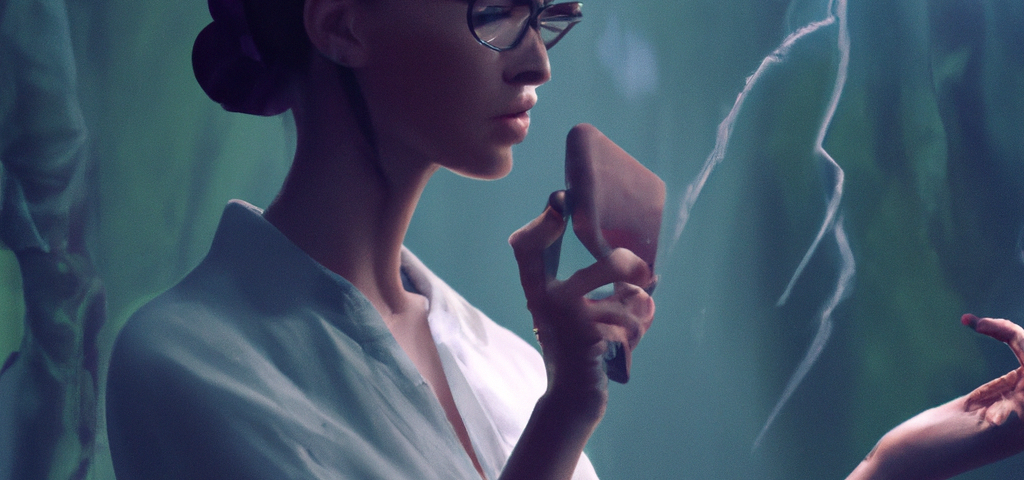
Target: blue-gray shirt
261, 363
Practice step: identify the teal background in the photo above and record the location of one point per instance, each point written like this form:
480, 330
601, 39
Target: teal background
929, 132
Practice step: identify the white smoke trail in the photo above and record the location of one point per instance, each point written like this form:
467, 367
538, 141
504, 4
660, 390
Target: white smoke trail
830, 224
725, 128
819, 149
847, 269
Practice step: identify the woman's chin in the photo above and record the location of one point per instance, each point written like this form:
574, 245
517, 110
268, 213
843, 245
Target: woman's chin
492, 167
493, 174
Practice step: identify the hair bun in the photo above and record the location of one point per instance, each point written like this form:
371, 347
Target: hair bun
229, 67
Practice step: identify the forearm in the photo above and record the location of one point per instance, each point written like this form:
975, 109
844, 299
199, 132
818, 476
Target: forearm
939, 443
551, 445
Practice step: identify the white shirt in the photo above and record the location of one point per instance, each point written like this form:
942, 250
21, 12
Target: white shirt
262, 363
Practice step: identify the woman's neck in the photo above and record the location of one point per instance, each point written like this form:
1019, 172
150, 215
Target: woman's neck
347, 205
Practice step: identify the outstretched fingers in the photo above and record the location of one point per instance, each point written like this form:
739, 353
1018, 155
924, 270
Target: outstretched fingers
1000, 329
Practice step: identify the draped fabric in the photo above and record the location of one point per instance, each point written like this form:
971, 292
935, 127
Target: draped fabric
49, 386
902, 183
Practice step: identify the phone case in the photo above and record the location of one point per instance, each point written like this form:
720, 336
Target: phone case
614, 202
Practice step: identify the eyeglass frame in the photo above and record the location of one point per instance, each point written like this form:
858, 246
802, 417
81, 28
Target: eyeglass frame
532, 22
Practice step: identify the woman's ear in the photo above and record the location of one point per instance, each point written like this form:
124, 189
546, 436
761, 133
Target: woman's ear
331, 26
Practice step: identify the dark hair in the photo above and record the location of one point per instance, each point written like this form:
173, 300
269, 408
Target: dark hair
246, 58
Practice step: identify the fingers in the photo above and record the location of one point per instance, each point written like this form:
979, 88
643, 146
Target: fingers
999, 329
530, 242
572, 328
620, 266
628, 313
558, 201
992, 391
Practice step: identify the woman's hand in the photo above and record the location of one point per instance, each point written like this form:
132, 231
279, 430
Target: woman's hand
971, 431
998, 400
573, 331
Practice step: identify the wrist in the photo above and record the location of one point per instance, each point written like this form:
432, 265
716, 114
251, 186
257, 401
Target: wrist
577, 403
553, 440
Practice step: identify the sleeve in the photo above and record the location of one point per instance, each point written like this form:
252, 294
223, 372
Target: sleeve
159, 424
171, 417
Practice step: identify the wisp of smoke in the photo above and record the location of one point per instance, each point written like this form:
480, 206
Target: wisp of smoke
831, 226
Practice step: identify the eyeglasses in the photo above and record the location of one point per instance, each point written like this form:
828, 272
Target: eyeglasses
501, 24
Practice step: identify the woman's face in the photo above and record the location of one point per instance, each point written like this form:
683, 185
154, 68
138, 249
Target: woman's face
438, 96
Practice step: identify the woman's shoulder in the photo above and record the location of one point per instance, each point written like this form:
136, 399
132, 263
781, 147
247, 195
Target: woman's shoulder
168, 340
166, 318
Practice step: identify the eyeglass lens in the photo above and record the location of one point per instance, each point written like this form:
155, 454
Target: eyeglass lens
501, 24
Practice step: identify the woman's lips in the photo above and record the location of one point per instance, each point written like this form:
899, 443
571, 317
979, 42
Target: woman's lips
520, 106
518, 122
518, 116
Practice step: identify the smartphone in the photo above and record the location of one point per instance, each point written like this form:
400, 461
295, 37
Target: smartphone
613, 202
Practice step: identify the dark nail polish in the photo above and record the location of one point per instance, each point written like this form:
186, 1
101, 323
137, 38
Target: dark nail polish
557, 201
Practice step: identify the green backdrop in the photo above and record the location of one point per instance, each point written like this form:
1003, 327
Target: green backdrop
928, 134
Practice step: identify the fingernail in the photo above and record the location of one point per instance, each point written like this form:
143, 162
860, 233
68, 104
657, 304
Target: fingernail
650, 288
969, 321
557, 201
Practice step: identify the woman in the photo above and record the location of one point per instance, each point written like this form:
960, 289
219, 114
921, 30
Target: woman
309, 343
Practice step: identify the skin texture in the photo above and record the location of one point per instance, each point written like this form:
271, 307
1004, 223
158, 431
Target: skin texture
980, 428
438, 99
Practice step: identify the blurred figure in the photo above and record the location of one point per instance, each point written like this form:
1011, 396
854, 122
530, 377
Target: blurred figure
49, 387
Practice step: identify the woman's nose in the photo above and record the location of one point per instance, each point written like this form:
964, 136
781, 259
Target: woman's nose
528, 61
